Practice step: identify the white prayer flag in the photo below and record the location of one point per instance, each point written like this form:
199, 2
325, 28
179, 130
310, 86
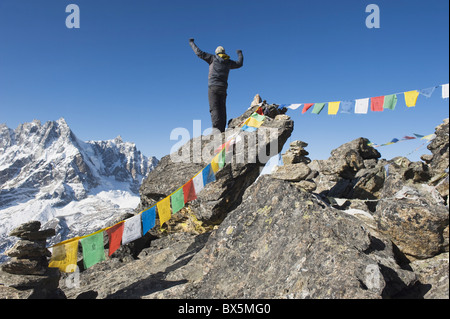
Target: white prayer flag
198, 183
445, 91
294, 106
361, 106
132, 229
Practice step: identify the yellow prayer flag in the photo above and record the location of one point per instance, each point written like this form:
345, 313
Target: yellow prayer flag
164, 211
252, 122
215, 163
333, 108
411, 98
64, 255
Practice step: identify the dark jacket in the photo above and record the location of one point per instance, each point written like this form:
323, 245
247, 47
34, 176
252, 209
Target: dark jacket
218, 68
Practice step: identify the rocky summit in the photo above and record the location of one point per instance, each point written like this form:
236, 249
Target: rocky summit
353, 226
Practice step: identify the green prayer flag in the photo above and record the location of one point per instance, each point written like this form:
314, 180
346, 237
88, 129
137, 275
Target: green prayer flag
222, 158
93, 251
177, 201
258, 117
390, 101
318, 108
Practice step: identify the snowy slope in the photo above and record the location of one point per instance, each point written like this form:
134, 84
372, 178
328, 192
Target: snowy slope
48, 174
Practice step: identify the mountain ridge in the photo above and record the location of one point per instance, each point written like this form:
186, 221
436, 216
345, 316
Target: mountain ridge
44, 168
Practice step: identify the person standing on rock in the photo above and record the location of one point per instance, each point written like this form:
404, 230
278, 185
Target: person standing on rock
220, 65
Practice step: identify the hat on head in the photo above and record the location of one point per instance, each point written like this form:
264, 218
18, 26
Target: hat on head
220, 49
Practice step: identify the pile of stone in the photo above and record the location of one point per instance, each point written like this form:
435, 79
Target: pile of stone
295, 167
27, 271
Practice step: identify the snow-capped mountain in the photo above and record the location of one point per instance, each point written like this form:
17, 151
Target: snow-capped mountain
48, 174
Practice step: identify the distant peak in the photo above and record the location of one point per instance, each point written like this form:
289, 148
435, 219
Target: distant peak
118, 140
62, 121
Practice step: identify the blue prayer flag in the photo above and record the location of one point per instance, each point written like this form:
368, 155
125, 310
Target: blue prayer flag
148, 219
428, 91
248, 128
208, 175
347, 107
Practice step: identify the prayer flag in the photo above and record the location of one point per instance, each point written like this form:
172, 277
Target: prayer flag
115, 237
177, 200
390, 101
215, 163
427, 92
445, 90
333, 108
163, 207
208, 175
377, 104
189, 191
411, 98
260, 111
408, 138
361, 106
131, 229
318, 108
306, 107
64, 255
198, 182
346, 106
222, 158
148, 219
252, 122
93, 251
248, 128
258, 117
428, 137
294, 106
418, 135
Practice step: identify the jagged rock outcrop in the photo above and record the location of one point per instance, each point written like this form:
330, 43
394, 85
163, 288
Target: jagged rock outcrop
364, 228
295, 168
439, 158
352, 171
412, 211
282, 242
26, 274
250, 153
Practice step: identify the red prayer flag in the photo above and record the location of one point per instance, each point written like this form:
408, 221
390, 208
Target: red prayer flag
115, 237
377, 104
189, 191
306, 107
260, 111
409, 138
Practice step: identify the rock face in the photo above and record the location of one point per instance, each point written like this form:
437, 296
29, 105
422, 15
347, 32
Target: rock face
351, 226
27, 274
352, 171
414, 216
384, 236
282, 242
439, 158
249, 155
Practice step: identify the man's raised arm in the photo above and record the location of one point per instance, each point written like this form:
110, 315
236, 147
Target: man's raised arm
202, 55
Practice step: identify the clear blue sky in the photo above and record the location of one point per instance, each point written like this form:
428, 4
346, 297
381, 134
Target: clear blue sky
129, 69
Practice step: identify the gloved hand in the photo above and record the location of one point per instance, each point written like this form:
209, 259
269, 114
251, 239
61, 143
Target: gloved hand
191, 40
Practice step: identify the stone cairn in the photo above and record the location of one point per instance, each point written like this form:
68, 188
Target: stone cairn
27, 271
295, 167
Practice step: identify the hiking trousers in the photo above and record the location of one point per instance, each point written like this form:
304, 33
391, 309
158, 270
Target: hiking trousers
217, 96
